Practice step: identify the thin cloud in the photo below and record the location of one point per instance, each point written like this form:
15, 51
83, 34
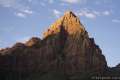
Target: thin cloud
96, 13
74, 1
13, 4
116, 20
87, 14
20, 9
106, 13
56, 13
92, 14
7, 3
71, 1
64, 4
24, 13
21, 15
51, 1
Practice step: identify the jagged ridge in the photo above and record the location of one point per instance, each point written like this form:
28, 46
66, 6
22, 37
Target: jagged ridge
66, 48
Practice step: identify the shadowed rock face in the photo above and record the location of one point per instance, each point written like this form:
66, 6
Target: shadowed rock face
81, 52
65, 48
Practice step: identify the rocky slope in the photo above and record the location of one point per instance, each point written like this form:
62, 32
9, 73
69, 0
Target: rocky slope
66, 50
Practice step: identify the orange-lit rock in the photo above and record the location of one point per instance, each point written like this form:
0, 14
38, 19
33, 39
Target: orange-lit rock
69, 21
66, 47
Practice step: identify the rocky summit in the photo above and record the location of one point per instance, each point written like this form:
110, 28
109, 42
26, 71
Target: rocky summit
66, 52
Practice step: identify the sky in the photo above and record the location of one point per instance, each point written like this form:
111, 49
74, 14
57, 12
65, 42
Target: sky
22, 19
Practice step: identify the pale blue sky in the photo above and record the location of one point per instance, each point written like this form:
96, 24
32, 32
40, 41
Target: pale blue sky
22, 19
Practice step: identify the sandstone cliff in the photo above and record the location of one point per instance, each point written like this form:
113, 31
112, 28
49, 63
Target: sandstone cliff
81, 53
66, 48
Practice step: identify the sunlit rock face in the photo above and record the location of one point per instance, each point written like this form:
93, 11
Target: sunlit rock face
80, 52
65, 48
70, 22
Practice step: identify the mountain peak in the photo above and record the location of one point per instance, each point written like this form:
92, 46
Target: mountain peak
70, 53
69, 21
70, 13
